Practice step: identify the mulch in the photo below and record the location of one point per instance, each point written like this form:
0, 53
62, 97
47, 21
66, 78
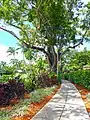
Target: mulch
33, 108
84, 92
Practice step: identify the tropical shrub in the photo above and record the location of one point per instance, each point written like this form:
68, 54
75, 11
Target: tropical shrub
52, 74
81, 77
46, 81
29, 81
5, 78
10, 90
32, 74
2, 97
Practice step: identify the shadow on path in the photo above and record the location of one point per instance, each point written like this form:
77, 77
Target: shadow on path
66, 104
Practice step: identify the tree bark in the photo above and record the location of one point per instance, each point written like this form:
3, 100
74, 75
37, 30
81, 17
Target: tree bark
52, 58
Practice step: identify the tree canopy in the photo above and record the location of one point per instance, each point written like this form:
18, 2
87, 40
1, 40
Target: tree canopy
47, 25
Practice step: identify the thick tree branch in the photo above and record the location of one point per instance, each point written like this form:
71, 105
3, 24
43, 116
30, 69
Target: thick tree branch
26, 44
34, 47
74, 46
40, 49
20, 29
80, 42
11, 32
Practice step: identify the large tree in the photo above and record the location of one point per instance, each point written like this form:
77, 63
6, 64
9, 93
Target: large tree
49, 26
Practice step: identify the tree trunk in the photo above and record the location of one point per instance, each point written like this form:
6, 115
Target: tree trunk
52, 58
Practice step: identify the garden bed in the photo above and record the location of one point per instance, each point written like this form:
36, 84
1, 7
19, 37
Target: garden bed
25, 109
85, 94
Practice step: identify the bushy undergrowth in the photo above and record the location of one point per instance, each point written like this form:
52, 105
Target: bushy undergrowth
22, 106
30, 81
5, 78
81, 77
30, 78
46, 81
38, 94
10, 90
33, 76
34, 80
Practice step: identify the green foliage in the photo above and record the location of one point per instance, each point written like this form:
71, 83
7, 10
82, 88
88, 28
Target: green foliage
18, 109
81, 77
42, 24
75, 60
52, 74
41, 64
45, 81
39, 94
6, 69
59, 77
30, 78
6, 78
21, 107
29, 81
12, 51
4, 115
32, 72
27, 73
30, 54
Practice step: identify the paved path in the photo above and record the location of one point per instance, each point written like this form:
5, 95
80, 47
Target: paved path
66, 104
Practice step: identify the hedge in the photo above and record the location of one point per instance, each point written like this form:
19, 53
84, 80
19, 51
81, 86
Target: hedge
81, 77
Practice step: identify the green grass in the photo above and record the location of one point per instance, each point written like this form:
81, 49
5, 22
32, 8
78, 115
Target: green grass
37, 95
21, 107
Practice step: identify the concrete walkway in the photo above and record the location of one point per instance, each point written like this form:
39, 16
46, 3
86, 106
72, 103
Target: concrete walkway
66, 104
